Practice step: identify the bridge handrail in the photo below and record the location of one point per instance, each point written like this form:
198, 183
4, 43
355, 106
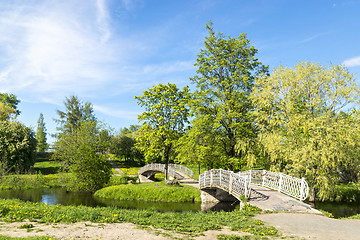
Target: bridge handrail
235, 184
172, 168
292, 186
182, 169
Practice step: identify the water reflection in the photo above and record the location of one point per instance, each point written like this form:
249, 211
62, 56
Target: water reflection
61, 196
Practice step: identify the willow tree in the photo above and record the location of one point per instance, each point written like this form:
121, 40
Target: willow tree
303, 129
227, 68
163, 121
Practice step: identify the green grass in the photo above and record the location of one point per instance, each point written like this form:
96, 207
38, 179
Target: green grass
189, 223
150, 192
25, 238
46, 165
37, 181
33, 181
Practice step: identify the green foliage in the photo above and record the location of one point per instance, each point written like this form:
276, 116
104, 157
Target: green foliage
17, 147
33, 181
189, 223
349, 192
150, 192
124, 147
221, 106
303, 130
76, 112
11, 101
41, 135
90, 170
163, 121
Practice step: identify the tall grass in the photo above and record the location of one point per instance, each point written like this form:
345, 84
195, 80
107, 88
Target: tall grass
150, 192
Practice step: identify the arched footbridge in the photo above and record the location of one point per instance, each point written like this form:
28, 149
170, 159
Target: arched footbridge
174, 170
241, 183
256, 185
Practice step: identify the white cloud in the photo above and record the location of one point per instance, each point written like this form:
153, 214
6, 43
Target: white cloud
52, 49
352, 62
123, 114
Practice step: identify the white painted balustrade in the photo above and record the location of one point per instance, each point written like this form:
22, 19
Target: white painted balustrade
229, 181
172, 169
292, 186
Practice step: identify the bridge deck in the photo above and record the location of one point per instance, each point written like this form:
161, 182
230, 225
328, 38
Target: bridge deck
267, 199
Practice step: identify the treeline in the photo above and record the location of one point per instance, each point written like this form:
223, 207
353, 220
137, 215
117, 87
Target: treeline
302, 120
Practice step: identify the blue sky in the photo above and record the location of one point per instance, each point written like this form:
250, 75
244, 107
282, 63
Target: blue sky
108, 51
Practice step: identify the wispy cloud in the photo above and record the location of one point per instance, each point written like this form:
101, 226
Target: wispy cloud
51, 49
352, 62
130, 115
313, 37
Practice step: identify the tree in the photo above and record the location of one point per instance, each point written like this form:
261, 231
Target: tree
17, 147
78, 151
163, 121
8, 106
11, 101
6, 112
76, 113
41, 135
302, 129
224, 80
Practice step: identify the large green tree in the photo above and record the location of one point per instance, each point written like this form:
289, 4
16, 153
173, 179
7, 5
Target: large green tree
227, 68
163, 121
78, 151
41, 135
17, 147
302, 128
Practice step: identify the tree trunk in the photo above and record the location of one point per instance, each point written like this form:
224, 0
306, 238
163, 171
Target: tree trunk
312, 193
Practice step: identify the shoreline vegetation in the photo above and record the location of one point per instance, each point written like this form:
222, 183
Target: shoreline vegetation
157, 191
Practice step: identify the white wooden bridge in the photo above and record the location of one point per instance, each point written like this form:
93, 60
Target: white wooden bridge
264, 189
240, 183
174, 170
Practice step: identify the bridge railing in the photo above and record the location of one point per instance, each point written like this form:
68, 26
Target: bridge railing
292, 186
231, 182
182, 169
157, 166
172, 169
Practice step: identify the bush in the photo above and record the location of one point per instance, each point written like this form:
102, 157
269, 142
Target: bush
17, 147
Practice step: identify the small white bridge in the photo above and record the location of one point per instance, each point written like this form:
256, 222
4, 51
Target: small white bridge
174, 170
237, 184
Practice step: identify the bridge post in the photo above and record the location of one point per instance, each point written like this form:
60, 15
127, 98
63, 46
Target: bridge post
280, 182
263, 177
220, 176
250, 172
211, 177
230, 182
302, 188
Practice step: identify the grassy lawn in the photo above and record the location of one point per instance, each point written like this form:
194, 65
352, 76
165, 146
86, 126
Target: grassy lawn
45, 165
187, 223
158, 191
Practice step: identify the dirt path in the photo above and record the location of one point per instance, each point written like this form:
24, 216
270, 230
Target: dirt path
312, 226
114, 231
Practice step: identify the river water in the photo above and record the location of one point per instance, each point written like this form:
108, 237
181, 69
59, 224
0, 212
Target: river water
61, 196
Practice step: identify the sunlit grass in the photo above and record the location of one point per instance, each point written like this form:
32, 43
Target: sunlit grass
191, 223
